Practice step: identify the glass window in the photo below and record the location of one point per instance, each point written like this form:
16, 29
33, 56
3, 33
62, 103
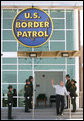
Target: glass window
9, 46
7, 23
58, 23
8, 35
9, 76
70, 40
25, 67
9, 13
23, 48
70, 60
55, 46
21, 102
9, 60
23, 75
71, 71
21, 90
9, 67
49, 67
49, 60
25, 61
58, 35
57, 13
70, 19
1, 14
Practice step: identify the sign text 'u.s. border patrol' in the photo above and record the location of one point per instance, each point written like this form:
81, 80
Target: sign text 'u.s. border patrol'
32, 27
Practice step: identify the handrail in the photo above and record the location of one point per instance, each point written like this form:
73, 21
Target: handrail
69, 106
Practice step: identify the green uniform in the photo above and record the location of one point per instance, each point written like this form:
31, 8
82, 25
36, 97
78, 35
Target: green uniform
10, 102
14, 99
68, 85
31, 95
73, 96
31, 88
28, 96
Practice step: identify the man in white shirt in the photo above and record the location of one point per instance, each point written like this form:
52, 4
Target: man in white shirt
60, 93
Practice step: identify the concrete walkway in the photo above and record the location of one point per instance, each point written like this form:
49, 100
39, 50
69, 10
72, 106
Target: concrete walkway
47, 114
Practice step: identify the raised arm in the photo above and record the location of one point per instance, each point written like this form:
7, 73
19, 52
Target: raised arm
52, 82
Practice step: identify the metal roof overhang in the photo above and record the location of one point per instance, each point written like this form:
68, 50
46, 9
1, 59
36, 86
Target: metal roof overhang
48, 54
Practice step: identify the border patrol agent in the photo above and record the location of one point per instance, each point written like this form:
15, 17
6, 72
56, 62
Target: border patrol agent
27, 95
14, 99
31, 80
10, 101
68, 85
73, 94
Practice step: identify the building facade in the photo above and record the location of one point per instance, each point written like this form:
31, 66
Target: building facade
16, 70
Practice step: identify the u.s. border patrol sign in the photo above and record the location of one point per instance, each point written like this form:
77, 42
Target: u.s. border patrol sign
32, 27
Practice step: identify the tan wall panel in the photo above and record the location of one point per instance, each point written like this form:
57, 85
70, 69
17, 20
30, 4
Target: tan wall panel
42, 7
81, 77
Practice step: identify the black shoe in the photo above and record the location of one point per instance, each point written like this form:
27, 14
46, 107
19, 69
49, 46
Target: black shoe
61, 114
10, 118
66, 108
73, 111
58, 114
26, 111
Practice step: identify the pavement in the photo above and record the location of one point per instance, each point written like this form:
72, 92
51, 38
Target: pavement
42, 114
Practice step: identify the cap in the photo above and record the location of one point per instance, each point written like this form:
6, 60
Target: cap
27, 80
73, 81
68, 75
10, 86
30, 77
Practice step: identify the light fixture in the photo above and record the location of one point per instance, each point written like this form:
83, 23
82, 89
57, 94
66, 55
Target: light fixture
65, 54
32, 55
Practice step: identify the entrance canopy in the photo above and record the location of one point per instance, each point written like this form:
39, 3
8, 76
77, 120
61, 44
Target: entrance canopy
45, 54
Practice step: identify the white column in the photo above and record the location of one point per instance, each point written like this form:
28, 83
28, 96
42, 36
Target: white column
77, 79
33, 111
65, 42
76, 44
81, 27
49, 39
1, 51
